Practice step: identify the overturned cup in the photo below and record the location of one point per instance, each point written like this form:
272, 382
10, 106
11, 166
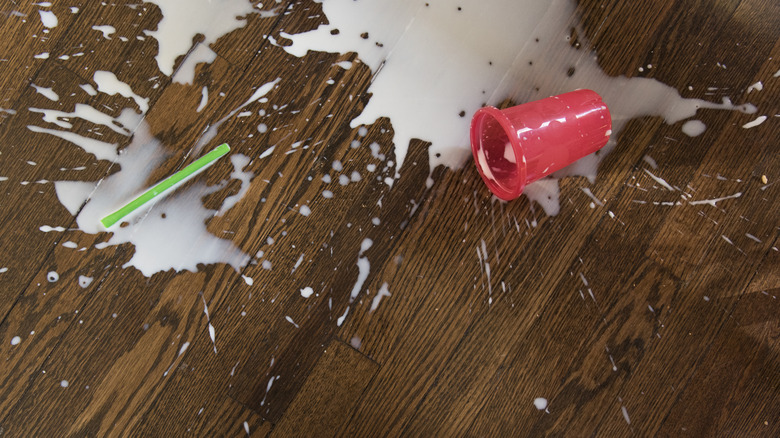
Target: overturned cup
516, 146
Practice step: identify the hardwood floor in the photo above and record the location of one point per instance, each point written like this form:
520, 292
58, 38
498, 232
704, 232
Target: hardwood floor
654, 313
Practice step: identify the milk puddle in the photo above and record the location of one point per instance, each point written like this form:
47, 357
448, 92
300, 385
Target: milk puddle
171, 233
437, 62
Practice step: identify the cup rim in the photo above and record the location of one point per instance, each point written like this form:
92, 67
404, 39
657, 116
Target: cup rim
500, 190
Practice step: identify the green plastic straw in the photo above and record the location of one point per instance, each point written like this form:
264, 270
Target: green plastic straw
166, 184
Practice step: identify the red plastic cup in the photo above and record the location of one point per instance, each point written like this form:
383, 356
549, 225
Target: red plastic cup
516, 146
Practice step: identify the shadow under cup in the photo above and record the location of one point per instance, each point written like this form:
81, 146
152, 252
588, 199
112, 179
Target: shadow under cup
516, 146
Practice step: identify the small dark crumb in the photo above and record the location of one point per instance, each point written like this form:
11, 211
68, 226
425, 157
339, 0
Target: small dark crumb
459, 8
378, 44
536, 88
570, 72
438, 155
530, 63
462, 113
426, 5
163, 215
364, 35
537, 40
490, 62
334, 32
124, 225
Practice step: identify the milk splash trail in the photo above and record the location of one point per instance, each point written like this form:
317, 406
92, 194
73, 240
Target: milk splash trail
166, 234
436, 63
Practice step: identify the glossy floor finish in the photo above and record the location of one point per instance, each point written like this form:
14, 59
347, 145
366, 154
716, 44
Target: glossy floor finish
648, 306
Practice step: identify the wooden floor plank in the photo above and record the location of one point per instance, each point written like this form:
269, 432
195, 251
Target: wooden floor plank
31, 162
740, 368
29, 45
326, 400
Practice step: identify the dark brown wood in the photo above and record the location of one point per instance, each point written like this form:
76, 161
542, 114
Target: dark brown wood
327, 399
636, 317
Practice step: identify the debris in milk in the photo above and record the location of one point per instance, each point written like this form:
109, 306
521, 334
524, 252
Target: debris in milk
447, 62
52, 276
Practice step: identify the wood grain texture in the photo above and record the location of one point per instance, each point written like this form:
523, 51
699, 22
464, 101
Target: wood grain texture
642, 316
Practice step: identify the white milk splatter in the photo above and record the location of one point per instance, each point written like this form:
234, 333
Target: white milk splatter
290, 320
200, 55
49, 229
212, 330
89, 89
239, 161
625, 414
46, 92
660, 181
184, 19
246, 428
445, 61
306, 292
48, 19
341, 318
165, 232
383, 292
81, 111
364, 267
182, 350
758, 86
16, 340
204, 99
108, 83
759, 120
248, 280
64, 383
106, 30
540, 403
693, 128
